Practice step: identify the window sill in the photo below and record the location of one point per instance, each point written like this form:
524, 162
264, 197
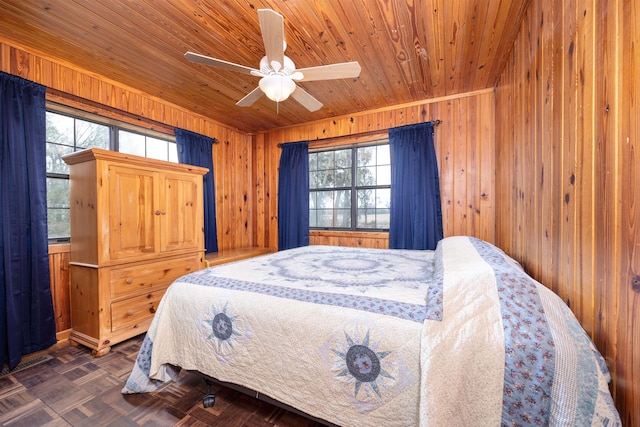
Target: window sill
59, 248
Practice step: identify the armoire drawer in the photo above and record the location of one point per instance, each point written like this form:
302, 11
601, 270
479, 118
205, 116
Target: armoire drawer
133, 311
129, 280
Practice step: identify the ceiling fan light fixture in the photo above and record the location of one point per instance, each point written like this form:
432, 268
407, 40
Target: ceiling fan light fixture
277, 87
277, 71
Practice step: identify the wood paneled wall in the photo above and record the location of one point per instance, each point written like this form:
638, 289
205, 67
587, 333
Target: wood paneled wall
355, 239
464, 145
568, 171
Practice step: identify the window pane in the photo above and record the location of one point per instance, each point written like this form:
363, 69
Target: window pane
313, 162
313, 219
383, 218
89, 135
366, 198
58, 223
59, 129
366, 218
325, 199
173, 152
383, 175
343, 159
367, 176
383, 198
314, 180
326, 160
55, 163
383, 156
157, 148
343, 218
373, 208
366, 156
342, 199
343, 177
131, 143
326, 178
325, 218
57, 193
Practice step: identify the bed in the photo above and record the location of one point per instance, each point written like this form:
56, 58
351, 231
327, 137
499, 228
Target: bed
369, 337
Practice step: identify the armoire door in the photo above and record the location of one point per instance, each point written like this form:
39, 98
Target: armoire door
181, 221
133, 212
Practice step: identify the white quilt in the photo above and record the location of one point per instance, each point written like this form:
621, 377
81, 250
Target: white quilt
371, 337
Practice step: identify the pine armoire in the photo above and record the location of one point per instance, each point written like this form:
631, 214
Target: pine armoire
136, 225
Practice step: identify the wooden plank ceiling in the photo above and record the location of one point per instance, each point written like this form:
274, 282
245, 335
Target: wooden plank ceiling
409, 50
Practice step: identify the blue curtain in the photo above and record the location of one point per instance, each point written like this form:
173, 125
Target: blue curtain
293, 196
26, 308
416, 213
195, 149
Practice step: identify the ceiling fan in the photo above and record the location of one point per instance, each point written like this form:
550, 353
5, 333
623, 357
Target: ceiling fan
278, 72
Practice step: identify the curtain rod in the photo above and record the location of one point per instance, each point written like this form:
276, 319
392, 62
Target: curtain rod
433, 122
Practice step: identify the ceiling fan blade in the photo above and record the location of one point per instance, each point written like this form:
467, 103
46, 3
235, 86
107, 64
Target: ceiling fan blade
306, 99
250, 98
342, 70
218, 63
272, 27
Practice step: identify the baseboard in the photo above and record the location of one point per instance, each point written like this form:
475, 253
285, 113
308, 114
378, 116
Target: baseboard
62, 336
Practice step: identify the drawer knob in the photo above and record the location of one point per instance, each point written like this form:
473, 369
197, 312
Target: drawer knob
130, 313
129, 281
188, 268
152, 310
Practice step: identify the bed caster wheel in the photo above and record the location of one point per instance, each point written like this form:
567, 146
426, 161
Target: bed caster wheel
209, 400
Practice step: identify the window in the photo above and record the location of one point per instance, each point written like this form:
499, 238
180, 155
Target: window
146, 146
69, 131
350, 188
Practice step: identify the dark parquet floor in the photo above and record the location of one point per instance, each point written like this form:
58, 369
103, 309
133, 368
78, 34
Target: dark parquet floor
75, 389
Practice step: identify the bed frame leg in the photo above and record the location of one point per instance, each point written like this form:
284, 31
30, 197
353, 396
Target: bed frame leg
209, 399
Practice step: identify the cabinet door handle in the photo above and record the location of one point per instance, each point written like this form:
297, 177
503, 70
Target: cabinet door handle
158, 212
129, 281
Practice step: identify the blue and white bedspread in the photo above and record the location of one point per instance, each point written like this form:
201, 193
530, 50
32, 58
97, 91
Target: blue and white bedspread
370, 337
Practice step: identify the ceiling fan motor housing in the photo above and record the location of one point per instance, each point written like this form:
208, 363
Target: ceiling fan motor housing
275, 67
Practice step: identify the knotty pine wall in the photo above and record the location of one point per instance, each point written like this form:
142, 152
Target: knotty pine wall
465, 149
568, 171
